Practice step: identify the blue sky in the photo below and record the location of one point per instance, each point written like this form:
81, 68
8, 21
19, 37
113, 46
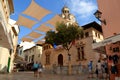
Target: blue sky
82, 9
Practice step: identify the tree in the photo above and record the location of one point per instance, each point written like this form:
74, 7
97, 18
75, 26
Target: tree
64, 35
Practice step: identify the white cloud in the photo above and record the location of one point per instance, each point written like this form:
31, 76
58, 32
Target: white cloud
83, 8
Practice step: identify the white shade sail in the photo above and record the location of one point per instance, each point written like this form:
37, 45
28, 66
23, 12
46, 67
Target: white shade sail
34, 10
34, 35
43, 28
27, 39
23, 21
56, 19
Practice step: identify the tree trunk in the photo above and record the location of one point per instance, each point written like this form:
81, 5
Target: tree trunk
69, 64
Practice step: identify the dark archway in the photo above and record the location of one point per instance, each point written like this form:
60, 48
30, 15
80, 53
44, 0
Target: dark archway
60, 59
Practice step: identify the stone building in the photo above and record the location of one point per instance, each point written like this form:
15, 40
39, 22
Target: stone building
8, 36
33, 54
81, 51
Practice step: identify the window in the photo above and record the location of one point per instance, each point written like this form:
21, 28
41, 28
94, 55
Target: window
116, 49
98, 35
32, 58
86, 34
80, 52
47, 59
26, 58
29, 58
95, 34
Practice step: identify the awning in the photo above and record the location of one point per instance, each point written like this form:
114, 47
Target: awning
27, 39
34, 10
34, 34
23, 21
56, 19
40, 42
109, 40
44, 28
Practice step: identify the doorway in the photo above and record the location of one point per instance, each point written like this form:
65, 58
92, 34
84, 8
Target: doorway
60, 59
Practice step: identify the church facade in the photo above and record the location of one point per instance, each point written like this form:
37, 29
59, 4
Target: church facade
81, 51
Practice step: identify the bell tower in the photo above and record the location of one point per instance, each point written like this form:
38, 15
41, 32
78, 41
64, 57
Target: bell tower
65, 12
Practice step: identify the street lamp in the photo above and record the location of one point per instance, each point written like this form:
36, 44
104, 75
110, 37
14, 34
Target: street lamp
98, 15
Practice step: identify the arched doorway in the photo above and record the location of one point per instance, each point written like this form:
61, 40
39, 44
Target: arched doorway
60, 59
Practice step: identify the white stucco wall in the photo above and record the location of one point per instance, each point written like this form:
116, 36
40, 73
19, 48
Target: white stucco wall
4, 55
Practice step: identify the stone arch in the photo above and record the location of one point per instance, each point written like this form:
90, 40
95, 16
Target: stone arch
60, 59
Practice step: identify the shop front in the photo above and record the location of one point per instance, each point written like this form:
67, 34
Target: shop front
111, 48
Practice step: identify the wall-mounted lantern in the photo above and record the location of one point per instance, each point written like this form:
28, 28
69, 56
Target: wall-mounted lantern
98, 15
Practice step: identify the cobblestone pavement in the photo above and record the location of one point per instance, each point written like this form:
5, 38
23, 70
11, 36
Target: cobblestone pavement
45, 76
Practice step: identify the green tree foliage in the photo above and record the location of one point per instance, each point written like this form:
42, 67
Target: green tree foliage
64, 35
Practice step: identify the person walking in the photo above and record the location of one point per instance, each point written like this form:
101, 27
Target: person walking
90, 66
105, 68
40, 69
35, 69
99, 67
96, 71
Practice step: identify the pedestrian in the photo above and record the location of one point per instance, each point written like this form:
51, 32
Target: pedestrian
40, 69
90, 66
105, 67
96, 71
35, 69
115, 58
113, 69
99, 67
